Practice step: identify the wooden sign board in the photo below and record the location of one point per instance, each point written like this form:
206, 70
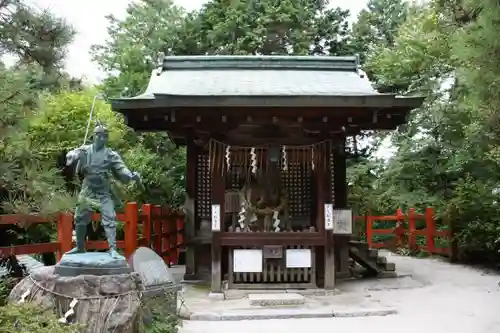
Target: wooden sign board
215, 217
342, 221
273, 252
298, 258
247, 261
328, 216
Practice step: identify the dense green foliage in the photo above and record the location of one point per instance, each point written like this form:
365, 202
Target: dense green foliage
447, 154
33, 319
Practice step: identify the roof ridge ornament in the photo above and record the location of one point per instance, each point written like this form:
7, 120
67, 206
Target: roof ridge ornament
159, 63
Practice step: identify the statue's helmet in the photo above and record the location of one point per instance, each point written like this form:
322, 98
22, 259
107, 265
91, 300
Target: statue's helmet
100, 128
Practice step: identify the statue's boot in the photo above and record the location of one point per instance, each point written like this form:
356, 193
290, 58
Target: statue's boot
81, 233
111, 237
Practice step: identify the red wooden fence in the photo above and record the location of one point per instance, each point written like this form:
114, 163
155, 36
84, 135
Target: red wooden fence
405, 231
161, 230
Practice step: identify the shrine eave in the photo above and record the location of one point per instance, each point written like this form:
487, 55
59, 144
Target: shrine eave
171, 102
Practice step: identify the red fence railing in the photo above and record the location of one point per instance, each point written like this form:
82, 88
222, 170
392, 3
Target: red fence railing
161, 230
407, 232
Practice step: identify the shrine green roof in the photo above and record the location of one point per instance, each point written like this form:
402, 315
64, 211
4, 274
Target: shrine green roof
324, 81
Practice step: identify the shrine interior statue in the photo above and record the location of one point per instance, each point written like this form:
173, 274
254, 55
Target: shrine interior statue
264, 203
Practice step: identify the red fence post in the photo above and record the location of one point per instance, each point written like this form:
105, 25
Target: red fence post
430, 225
146, 224
167, 245
369, 229
64, 234
412, 227
131, 228
157, 229
180, 237
400, 229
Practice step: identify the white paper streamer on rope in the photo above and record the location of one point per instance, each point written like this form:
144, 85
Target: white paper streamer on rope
312, 158
24, 296
228, 157
253, 159
70, 312
284, 158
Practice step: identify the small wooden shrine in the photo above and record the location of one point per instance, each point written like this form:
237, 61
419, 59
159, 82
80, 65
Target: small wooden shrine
266, 157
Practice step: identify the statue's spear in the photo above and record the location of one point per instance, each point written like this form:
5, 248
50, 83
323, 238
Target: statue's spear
87, 131
90, 116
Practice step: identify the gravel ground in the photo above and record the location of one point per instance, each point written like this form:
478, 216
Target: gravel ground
437, 298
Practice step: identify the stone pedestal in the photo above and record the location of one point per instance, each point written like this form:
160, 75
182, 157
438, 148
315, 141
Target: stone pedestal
104, 303
91, 263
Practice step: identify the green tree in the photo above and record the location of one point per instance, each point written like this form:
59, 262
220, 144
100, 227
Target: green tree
61, 123
134, 44
377, 25
298, 27
447, 154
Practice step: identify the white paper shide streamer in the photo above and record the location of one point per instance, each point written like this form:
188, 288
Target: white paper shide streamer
24, 296
228, 157
284, 158
70, 312
253, 160
312, 158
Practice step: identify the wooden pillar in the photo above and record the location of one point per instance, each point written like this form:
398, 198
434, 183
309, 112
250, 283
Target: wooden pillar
189, 210
340, 201
218, 189
324, 197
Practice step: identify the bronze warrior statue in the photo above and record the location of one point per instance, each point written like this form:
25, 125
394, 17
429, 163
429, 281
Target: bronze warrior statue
95, 162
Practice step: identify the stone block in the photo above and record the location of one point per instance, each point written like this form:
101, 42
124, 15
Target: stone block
276, 299
216, 296
390, 266
381, 260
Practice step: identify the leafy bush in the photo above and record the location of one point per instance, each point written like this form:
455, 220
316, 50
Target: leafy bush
157, 316
31, 318
6, 285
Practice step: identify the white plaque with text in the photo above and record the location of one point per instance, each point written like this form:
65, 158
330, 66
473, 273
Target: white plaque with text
298, 258
247, 261
328, 216
215, 217
342, 221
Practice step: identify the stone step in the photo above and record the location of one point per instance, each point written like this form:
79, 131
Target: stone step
276, 299
381, 260
373, 253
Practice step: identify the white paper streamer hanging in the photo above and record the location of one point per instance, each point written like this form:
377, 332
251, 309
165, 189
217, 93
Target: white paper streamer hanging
228, 157
253, 159
284, 159
70, 312
312, 158
24, 296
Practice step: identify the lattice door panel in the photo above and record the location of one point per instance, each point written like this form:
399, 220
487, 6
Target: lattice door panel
297, 181
204, 187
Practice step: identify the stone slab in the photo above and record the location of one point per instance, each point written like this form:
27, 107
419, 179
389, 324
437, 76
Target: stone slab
289, 313
276, 299
91, 263
216, 296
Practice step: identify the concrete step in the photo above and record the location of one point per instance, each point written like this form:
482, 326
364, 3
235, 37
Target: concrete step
276, 299
381, 260
373, 253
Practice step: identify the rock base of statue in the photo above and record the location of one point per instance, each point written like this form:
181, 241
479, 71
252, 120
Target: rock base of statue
100, 304
91, 263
